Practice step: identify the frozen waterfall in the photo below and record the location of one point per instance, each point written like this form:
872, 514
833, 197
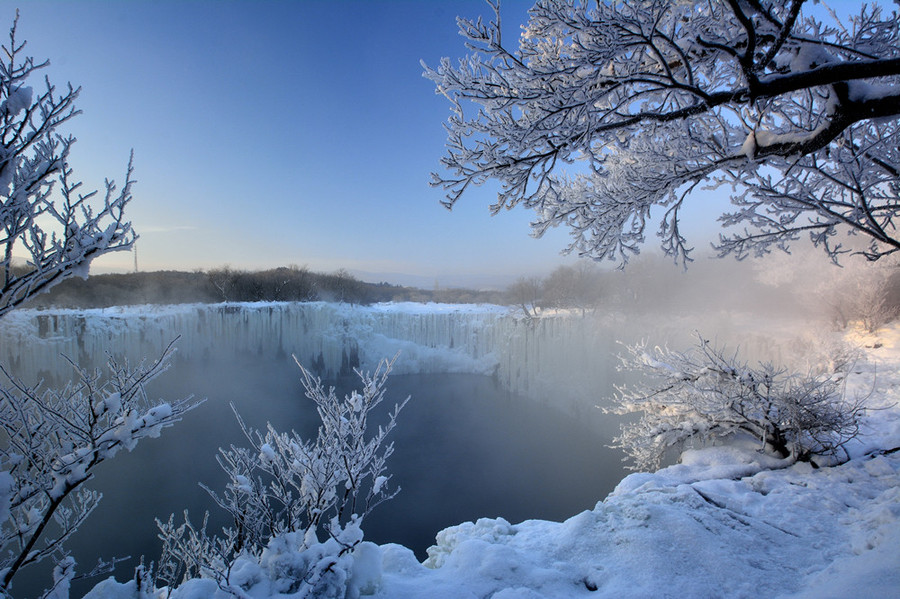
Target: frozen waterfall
563, 359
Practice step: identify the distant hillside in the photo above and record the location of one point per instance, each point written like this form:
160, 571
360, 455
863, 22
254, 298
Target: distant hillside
279, 284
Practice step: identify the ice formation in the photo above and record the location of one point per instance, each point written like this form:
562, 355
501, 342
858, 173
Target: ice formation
569, 358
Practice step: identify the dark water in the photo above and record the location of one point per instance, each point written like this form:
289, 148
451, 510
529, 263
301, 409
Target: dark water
464, 449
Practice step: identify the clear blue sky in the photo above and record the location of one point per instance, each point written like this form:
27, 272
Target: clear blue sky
275, 133
272, 133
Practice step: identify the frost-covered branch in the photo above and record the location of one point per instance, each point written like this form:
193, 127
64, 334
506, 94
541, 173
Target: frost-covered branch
611, 109
705, 395
52, 442
284, 489
855, 188
46, 220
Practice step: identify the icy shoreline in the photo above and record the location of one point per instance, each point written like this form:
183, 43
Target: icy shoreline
724, 522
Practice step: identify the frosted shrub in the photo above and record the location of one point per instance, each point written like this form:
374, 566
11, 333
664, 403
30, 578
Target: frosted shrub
284, 491
704, 395
52, 442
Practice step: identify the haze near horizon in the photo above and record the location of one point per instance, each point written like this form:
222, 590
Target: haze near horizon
276, 133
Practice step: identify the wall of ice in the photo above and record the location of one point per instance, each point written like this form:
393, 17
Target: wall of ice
330, 338
563, 359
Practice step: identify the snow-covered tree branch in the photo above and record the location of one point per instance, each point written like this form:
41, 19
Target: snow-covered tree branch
45, 217
704, 395
284, 489
52, 442
643, 101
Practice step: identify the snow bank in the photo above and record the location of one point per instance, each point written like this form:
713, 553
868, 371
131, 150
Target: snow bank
726, 522
758, 536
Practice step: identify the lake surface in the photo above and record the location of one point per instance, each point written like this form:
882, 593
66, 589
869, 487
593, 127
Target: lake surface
464, 449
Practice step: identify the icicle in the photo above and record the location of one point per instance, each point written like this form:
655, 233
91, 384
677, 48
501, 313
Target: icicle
538, 359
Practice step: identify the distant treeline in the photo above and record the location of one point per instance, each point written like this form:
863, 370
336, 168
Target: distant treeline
227, 285
868, 294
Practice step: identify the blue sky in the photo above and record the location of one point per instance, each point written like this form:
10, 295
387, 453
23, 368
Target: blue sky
275, 133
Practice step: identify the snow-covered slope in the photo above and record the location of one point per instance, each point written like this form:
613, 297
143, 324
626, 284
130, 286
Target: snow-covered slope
826, 533
720, 524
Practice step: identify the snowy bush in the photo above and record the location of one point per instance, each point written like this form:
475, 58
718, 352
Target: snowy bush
52, 441
283, 491
704, 395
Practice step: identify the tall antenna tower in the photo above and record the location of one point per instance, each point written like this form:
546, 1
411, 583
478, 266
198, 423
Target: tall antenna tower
134, 251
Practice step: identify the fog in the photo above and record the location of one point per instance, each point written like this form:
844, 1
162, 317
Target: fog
503, 419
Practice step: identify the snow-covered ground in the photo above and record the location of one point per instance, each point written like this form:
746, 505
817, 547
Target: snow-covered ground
725, 522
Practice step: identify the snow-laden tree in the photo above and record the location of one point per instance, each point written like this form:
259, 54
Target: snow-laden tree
866, 296
52, 440
608, 110
705, 395
45, 216
284, 490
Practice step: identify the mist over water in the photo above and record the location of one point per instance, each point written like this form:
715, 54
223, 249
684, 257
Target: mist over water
502, 422
465, 448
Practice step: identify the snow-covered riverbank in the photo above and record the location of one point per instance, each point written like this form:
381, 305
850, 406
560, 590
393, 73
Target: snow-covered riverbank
722, 523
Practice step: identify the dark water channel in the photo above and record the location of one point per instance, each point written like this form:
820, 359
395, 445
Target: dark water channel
464, 449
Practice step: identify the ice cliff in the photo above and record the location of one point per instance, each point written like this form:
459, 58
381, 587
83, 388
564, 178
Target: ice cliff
568, 359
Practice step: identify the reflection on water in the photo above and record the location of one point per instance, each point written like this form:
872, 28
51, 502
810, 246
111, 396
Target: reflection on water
464, 448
